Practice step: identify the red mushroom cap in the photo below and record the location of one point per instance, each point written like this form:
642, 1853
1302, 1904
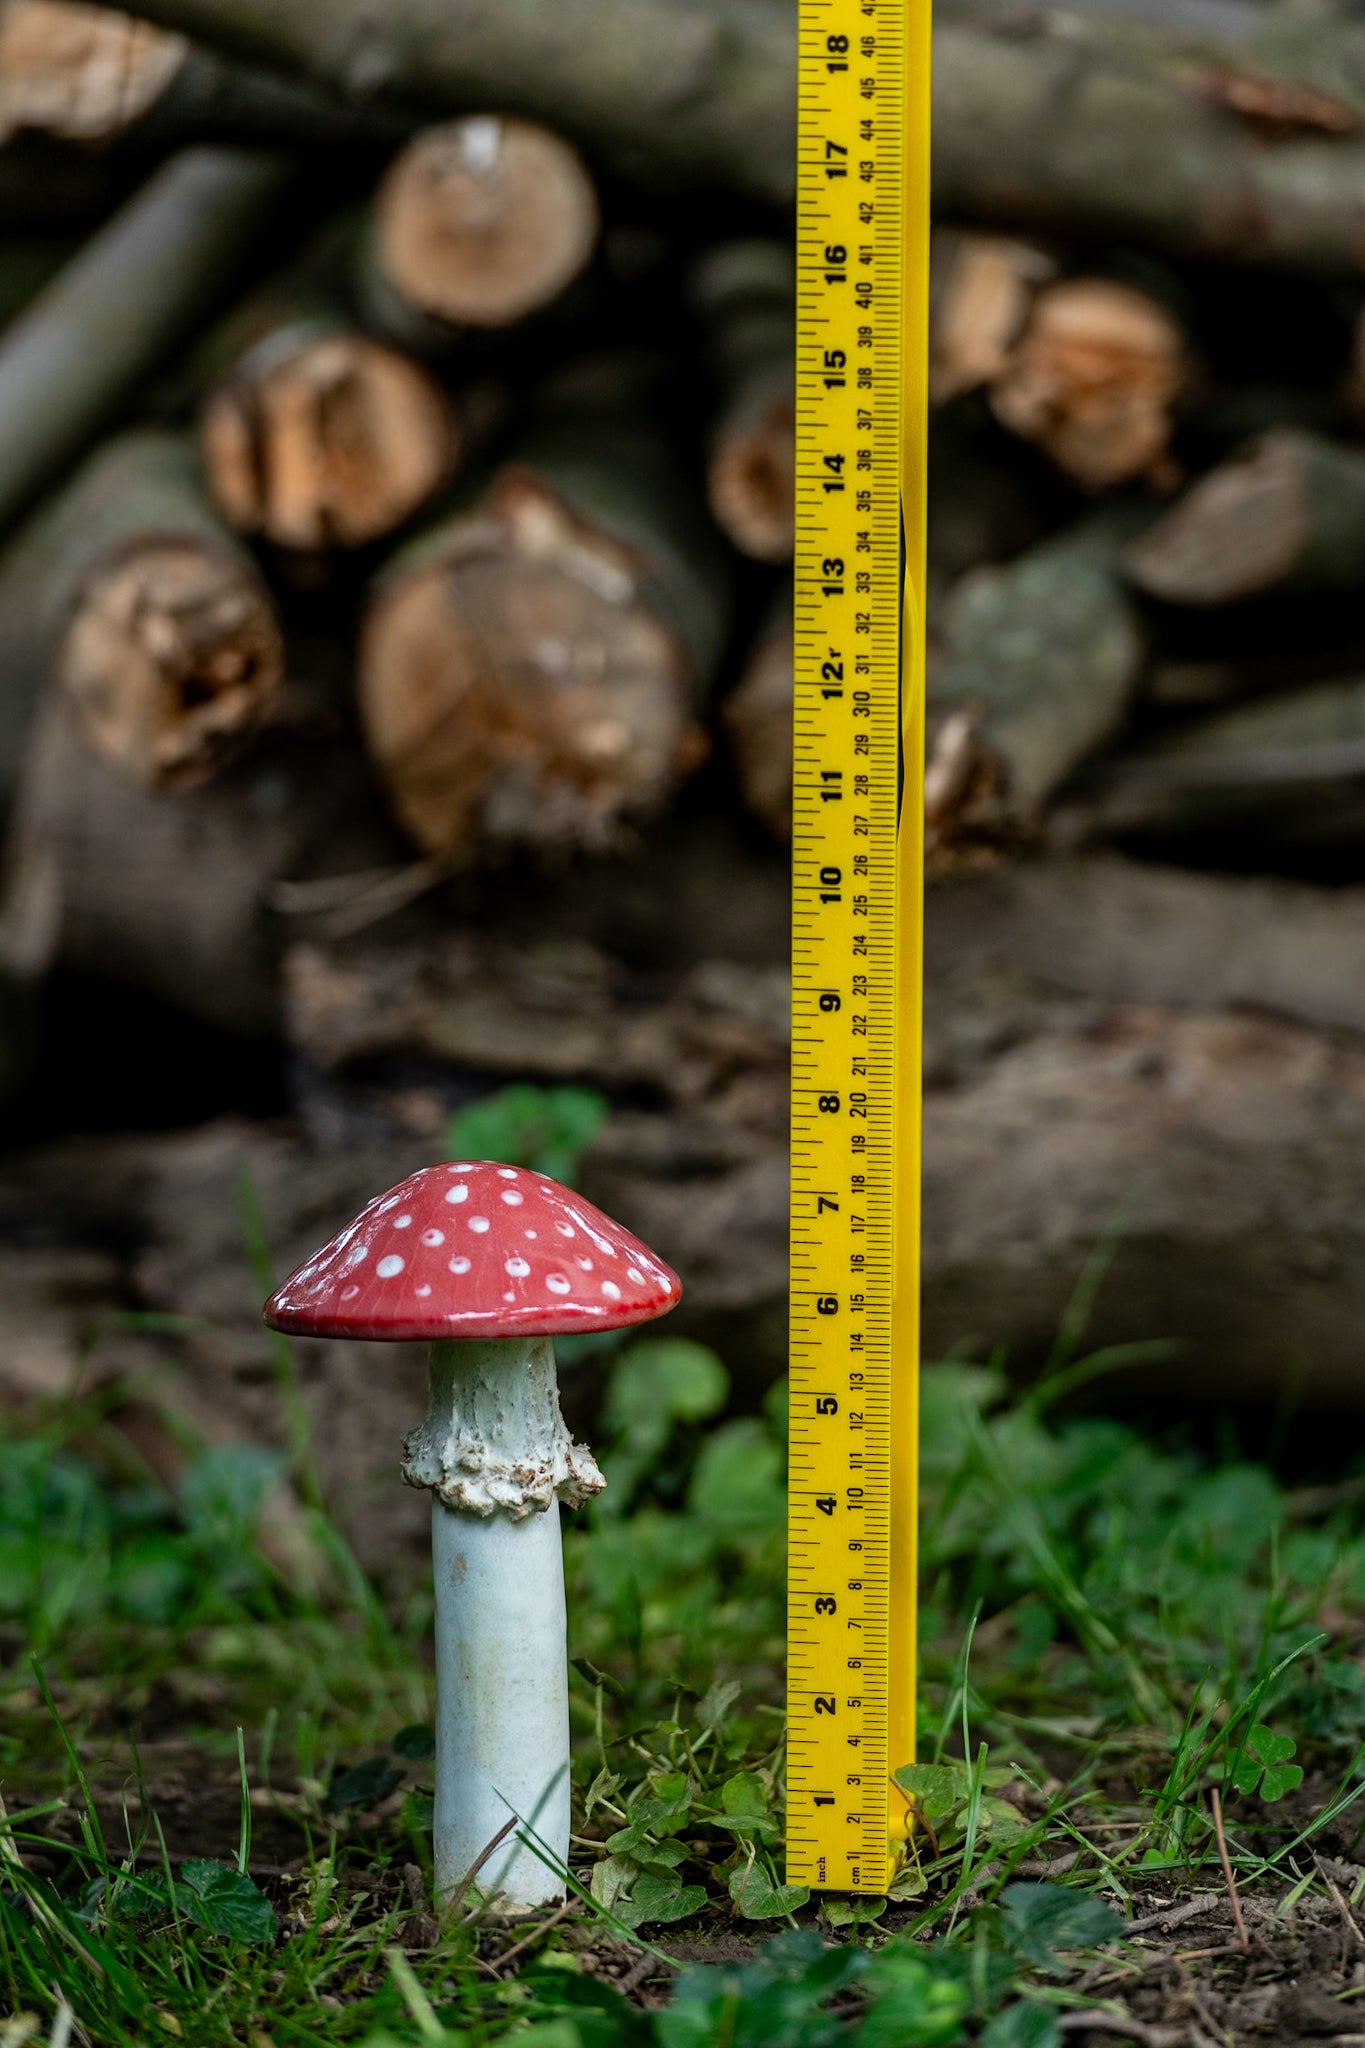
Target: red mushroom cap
474, 1250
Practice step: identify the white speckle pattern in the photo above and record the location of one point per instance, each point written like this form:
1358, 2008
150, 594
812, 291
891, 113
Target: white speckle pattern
390, 1267
457, 1266
516, 1268
565, 1229
402, 1222
585, 1264
349, 1293
530, 1233
507, 1173
458, 1193
478, 1224
611, 1290
512, 1198
433, 1237
509, 1296
424, 1292
357, 1255
634, 1273
558, 1283
462, 1166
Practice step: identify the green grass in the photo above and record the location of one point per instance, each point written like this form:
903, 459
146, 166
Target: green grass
1114, 1628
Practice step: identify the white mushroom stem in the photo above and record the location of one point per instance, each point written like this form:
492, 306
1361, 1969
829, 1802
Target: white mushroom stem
496, 1453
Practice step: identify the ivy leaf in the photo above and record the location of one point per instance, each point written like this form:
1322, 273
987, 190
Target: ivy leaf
746, 1809
916, 2000
852, 1912
757, 1897
224, 1901
655, 1898
611, 1878
935, 1790
415, 1742
364, 1785
1038, 1919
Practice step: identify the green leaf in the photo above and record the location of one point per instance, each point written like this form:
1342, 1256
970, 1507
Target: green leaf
224, 1901
655, 1898
737, 1484
1026, 2024
612, 1877
757, 1897
415, 1742
1264, 1762
852, 1912
936, 1790
546, 1129
1039, 1919
364, 1785
916, 2000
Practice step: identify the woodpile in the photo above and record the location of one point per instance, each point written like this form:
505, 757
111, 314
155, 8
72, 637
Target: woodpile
396, 544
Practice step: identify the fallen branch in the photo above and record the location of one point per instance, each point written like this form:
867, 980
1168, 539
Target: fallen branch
116, 311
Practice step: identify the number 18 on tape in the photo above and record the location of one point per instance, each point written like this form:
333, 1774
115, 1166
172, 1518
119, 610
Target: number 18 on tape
862, 297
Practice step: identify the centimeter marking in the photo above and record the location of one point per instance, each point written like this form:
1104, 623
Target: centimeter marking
855, 1089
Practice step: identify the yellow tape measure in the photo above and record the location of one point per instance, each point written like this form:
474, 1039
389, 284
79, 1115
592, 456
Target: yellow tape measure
862, 300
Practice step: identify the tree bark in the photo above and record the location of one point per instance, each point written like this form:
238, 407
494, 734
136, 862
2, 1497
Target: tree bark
113, 315
1093, 128
529, 667
129, 595
477, 223
1042, 659
319, 437
1285, 514
757, 716
746, 295
1287, 770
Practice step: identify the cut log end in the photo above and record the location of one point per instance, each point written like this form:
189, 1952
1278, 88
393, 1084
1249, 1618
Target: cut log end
319, 441
1238, 532
982, 290
1092, 381
171, 659
484, 220
751, 482
83, 73
518, 690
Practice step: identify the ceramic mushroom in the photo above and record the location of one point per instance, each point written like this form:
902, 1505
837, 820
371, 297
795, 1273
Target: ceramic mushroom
489, 1264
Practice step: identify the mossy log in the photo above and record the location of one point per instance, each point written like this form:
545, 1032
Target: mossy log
129, 596
114, 314
745, 293
530, 667
1286, 514
1041, 660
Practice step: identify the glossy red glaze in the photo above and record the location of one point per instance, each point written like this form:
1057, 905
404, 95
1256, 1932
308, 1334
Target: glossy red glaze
474, 1250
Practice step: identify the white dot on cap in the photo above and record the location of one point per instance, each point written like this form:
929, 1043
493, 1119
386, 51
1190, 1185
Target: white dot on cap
462, 1166
433, 1237
565, 1229
516, 1267
586, 1264
357, 1255
479, 1224
507, 1173
387, 1268
424, 1292
384, 1207
530, 1233
634, 1273
458, 1266
349, 1293
509, 1296
556, 1282
459, 1193
402, 1222
611, 1290
512, 1198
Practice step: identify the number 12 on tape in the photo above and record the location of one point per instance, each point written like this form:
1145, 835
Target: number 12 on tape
857, 892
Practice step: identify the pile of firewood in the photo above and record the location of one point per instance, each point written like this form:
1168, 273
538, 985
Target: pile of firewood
396, 454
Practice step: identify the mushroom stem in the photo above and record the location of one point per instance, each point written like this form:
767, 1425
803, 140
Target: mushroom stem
502, 1704
496, 1453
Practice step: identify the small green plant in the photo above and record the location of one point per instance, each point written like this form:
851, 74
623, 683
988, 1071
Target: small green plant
546, 1129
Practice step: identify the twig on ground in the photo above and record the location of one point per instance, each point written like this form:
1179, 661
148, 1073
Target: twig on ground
1101, 2021
1348, 1918
1173, 1916
1056, 1866
1226, 1862
477, 1865
543, 1927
